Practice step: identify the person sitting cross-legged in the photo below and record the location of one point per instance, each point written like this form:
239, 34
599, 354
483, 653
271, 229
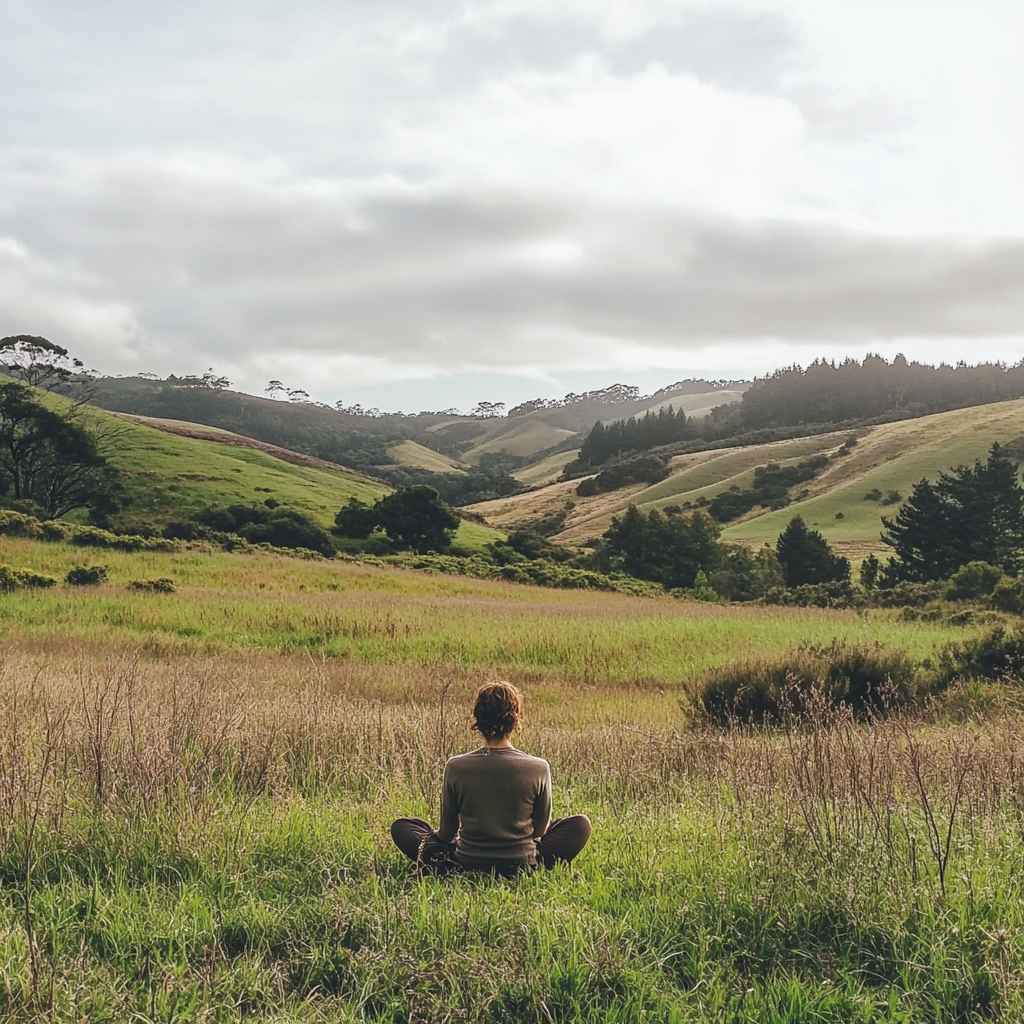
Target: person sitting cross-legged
495, 803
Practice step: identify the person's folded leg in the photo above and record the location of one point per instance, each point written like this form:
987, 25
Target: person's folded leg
563, 840
419, 842
409, 833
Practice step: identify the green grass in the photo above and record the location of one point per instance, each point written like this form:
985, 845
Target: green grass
229, 602
546, 471
212, 774
409, 453
168, 475
238, 865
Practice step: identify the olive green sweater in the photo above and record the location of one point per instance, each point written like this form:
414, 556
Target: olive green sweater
495, 802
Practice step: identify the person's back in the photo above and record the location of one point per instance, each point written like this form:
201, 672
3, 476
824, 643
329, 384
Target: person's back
495, 803
498, 801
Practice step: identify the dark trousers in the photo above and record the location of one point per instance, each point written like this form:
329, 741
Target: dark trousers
564, 839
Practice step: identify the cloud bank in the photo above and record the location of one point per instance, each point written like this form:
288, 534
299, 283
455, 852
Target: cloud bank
348, 195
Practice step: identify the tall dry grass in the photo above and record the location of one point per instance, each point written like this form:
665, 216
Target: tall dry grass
820, 843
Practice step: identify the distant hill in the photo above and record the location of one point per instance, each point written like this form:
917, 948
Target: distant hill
362, 441
887, 458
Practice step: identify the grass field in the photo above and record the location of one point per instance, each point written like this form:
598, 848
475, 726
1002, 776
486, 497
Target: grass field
409, 453
546, 471
196, 787
196, 790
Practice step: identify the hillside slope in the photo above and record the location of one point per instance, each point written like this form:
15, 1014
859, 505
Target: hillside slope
359, 438
891, 457
170, 468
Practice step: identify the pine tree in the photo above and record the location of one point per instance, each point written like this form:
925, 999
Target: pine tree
971, 514
806, 556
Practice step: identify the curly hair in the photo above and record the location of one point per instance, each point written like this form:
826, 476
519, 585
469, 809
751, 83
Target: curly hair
498, 711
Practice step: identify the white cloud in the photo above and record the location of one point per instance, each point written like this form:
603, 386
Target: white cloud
401, 190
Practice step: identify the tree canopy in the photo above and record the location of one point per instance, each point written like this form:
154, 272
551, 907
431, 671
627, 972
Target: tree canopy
415, 517
48, 459
38, 362
806, 556
970, 514
667, 547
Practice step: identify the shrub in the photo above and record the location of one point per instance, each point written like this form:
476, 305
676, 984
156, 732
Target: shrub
909, 595
55, 530
867, 677
996, 655
87, 576
973, 580
287, 528
647, 469
136, 527
17, 524
873, 495
837, 594
163, 585
15, 579
1008, 595
187, 531
93, 537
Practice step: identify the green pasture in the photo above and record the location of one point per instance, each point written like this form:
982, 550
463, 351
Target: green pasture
517, 437
890, 457
236, 602
167, 475
416, 456
546, 471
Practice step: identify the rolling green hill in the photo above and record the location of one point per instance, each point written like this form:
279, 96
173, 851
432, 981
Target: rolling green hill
546, 471
891, 457
415, 456
170, 468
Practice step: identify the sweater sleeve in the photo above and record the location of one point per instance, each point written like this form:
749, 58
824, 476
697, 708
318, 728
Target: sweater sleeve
449, 810
542, 805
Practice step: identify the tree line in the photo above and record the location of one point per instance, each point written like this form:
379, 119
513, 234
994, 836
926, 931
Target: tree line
829, 392
633, 435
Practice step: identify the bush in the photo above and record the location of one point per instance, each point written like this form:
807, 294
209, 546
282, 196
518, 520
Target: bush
973, 580
87, 576
187, 531
909, 595
837, 594
287, 528
17, 524
55, 530
999, 654
163, 585
94, 537
867, 677
647, 469
1008, 595
15, 579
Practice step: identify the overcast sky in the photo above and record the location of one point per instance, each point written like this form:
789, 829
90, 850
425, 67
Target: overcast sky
420, 203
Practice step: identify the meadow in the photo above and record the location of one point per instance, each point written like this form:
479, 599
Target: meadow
196, 790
